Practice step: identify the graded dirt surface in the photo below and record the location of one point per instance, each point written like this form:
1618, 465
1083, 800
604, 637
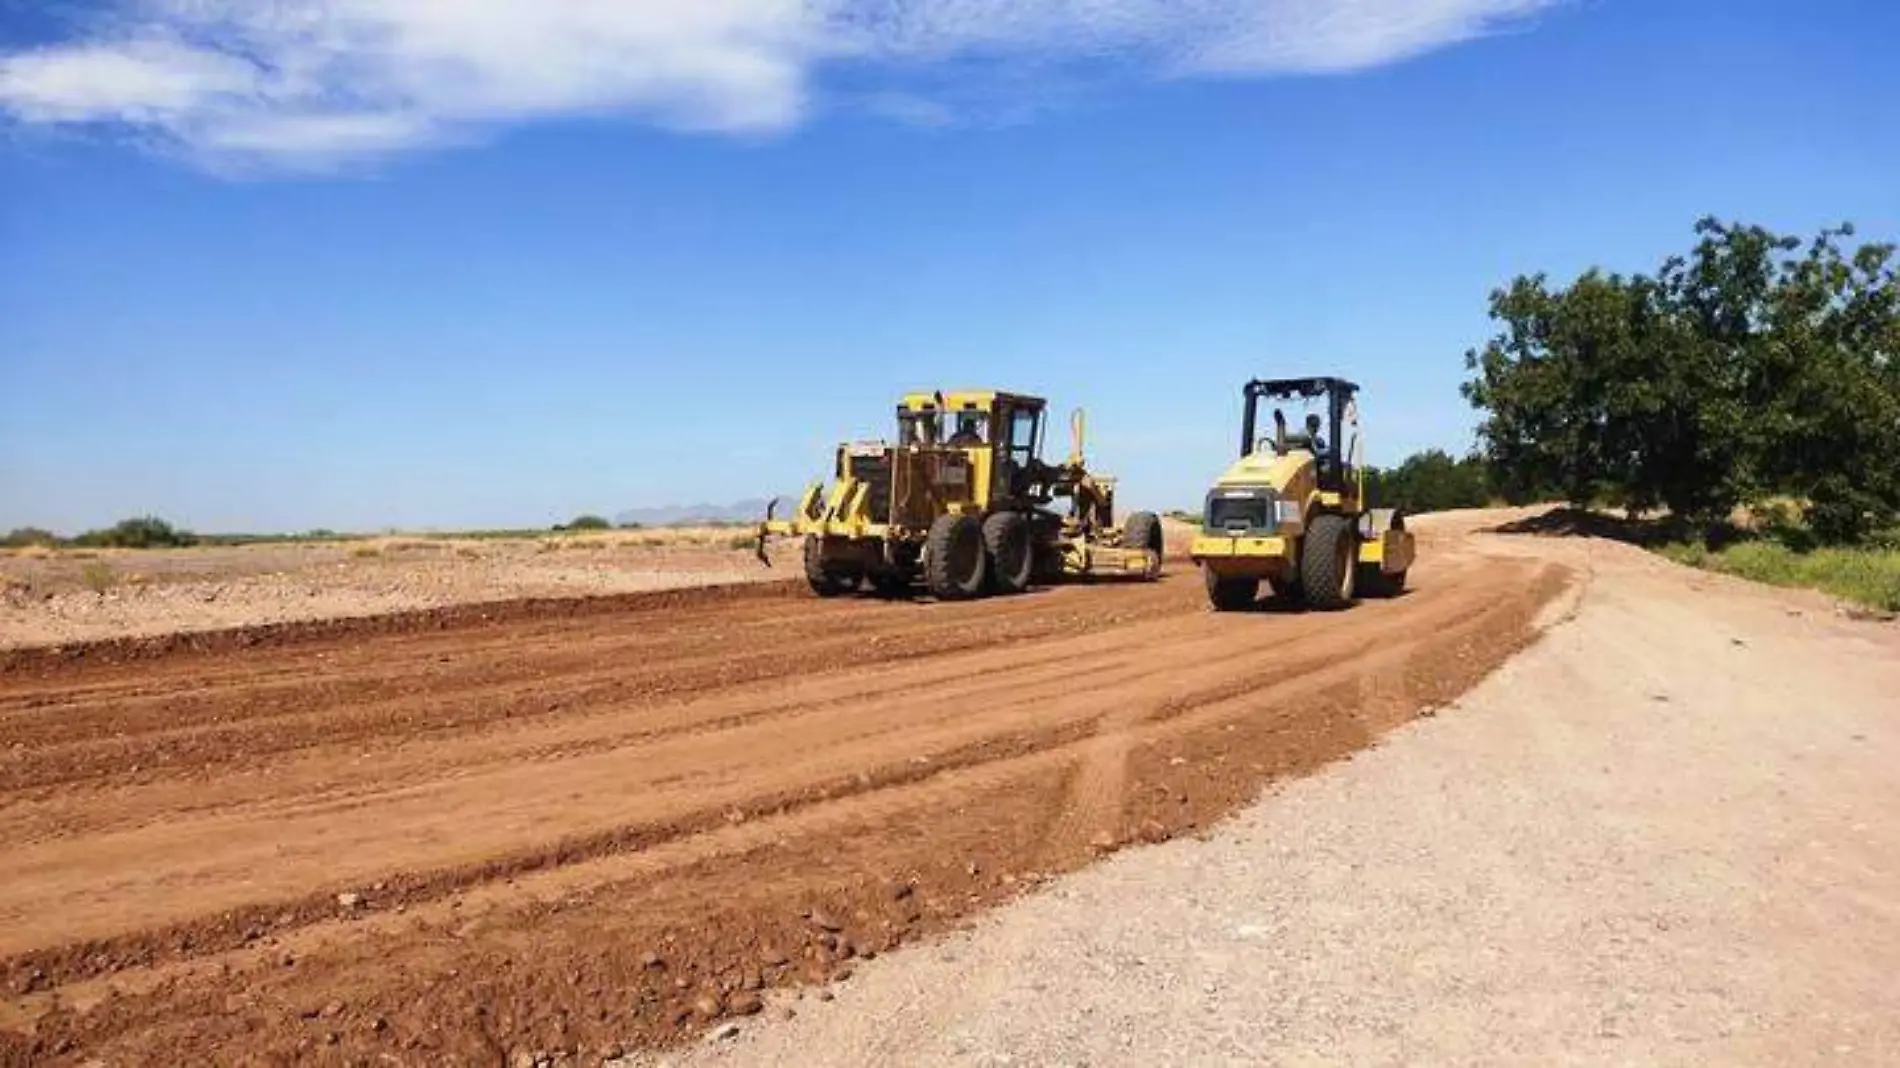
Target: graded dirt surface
1666, 834
574, 828
85, 595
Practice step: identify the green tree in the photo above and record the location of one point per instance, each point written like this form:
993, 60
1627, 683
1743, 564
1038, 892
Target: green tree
1753, 367
1430, 481
587, 522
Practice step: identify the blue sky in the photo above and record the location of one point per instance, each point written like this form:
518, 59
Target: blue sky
433, 264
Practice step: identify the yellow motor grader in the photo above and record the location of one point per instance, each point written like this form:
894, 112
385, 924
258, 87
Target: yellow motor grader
963, 502
1291, 511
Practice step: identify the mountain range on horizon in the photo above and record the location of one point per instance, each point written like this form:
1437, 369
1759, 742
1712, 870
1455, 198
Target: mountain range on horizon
748, 510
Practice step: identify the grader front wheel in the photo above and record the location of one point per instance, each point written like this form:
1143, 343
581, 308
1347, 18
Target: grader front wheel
1143, 531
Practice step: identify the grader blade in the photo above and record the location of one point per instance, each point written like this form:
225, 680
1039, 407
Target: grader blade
1102, 561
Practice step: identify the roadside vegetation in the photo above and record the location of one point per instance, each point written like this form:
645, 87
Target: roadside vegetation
1432, 481
1867, 574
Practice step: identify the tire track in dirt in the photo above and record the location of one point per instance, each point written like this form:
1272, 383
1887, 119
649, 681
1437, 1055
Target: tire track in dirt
893, 766
201, 730
1025, 669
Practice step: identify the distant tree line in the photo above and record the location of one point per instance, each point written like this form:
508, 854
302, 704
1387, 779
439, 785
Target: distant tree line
1431, 481
151, 532
1757, 368
143, 532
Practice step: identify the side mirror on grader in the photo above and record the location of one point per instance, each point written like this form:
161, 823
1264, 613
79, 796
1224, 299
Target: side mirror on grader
963, 501
1291, 512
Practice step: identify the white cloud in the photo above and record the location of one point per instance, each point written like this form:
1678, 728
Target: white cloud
318, 82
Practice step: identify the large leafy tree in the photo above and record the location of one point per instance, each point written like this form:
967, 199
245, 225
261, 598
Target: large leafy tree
1757, 365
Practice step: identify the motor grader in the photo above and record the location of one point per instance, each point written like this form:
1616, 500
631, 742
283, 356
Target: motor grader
1291, 511
963, 502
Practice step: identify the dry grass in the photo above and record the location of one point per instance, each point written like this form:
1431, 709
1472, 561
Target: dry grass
98, 577
1867, 575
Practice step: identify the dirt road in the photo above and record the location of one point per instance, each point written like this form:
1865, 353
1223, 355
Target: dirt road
1665, 835
572, 827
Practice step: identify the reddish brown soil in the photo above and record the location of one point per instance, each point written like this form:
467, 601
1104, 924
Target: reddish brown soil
573, 827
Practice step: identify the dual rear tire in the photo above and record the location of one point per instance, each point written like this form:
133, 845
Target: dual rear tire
954, 558
1012, 557
965, 557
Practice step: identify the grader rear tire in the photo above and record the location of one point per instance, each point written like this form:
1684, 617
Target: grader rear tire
1006, 540
825, 582
1329, 558
954, 561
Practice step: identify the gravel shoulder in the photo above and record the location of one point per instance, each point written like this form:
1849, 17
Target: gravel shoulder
1669, 833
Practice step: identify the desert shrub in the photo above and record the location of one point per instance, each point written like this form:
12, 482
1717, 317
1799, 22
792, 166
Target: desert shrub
98, 577
21, 537
143, 532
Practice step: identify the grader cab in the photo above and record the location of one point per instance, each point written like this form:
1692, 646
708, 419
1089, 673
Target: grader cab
963, 501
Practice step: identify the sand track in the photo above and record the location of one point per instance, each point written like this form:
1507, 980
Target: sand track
573, 826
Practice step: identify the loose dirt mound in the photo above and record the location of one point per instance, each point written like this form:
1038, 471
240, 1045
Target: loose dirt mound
564, 829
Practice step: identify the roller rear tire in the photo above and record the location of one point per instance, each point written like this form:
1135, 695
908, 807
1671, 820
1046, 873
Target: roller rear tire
1230, 594
1374, 582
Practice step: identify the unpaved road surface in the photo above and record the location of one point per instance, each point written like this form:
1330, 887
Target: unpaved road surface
578, 827
1667, 834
